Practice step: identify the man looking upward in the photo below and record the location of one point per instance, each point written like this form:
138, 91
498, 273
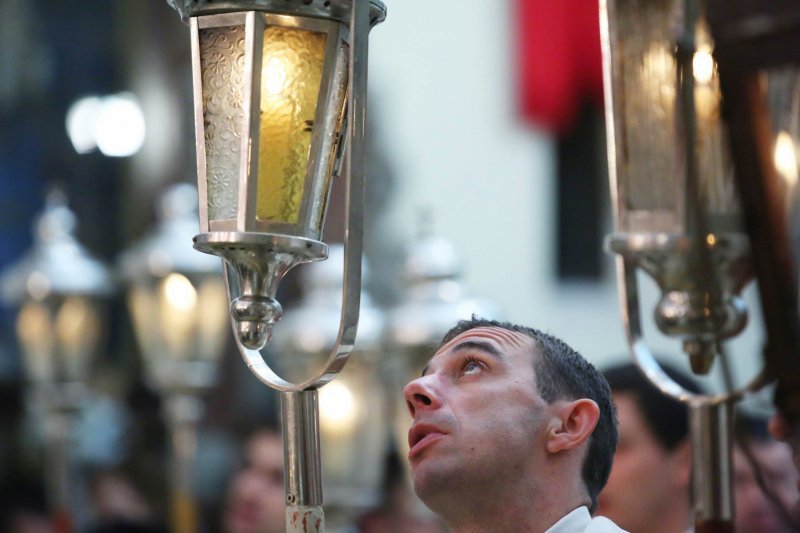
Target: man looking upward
513, 431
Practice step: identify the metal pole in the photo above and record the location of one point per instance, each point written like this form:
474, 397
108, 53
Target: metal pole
59, 443
710, 424
301, 458
183, 412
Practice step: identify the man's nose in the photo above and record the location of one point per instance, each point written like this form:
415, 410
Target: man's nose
420, 395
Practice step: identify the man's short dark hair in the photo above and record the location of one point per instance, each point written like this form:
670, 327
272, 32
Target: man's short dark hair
563, 374
666, 417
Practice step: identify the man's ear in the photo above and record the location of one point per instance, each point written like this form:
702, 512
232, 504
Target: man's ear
574, 425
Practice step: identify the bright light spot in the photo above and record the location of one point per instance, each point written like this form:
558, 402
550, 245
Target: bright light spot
711, 239
179, 292
81, 120
274, 76
337, 408
114, 124
703, 65
120, 129
786, 158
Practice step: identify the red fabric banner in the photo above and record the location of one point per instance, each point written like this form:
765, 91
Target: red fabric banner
559, 64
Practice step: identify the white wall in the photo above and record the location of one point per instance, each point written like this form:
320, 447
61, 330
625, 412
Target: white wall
442, 89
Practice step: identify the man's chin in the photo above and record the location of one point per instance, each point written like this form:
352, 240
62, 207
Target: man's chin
430, 476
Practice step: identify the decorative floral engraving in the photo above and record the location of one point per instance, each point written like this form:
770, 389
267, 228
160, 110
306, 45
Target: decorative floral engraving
222, 62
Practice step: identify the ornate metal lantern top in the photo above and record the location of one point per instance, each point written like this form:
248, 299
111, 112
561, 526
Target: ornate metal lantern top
326, 9
57, 265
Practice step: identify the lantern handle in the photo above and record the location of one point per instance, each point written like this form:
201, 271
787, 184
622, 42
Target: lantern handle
355, 175
642, 355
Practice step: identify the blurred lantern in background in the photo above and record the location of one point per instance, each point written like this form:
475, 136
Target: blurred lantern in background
758, 51
59, 291
352, 408
177, 301
433, 301
678, 213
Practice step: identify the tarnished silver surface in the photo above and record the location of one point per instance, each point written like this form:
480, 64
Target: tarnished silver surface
712, 482
339, 10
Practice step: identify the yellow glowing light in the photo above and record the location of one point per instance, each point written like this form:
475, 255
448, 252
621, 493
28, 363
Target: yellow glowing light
786, 158
711, 239
290, 84
179, 292
703, 65
337, 408
34, 328
177, 313
274, 74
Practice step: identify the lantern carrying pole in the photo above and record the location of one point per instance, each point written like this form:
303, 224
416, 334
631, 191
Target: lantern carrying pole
712, 482
302, 463
300, 409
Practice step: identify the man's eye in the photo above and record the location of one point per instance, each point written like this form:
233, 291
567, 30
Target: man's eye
471, 366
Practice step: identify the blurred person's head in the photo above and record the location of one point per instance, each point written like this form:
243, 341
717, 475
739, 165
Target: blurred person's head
256, 498
755, 512
649, 485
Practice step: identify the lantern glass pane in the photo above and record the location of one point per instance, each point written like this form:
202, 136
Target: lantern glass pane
648, 119
177, 302
212, 317
35, 333
222, 65
290, 84
144, 313
78, 330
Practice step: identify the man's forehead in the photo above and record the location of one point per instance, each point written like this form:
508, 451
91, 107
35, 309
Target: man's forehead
493, 338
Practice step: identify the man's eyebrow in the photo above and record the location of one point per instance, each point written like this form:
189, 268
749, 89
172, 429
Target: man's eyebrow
485, 347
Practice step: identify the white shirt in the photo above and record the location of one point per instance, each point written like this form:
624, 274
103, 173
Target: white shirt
580, 521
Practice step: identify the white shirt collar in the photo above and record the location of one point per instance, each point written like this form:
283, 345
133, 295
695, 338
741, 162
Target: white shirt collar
577, 520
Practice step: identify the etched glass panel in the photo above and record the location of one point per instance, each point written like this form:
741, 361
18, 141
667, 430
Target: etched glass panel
222, 64
290, 84
649, 134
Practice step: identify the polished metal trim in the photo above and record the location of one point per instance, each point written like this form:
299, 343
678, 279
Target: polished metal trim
214, 242
339, 10
326, 122
251, 106
199, 126
301, 451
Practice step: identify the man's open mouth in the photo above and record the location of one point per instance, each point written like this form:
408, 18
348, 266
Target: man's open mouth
420, 435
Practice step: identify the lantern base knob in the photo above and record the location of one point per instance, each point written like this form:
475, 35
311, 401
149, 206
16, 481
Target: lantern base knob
254, 317
255, 264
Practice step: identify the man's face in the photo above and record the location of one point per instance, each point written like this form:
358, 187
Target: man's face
753, 511
644, 475
477, 414
256, 498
